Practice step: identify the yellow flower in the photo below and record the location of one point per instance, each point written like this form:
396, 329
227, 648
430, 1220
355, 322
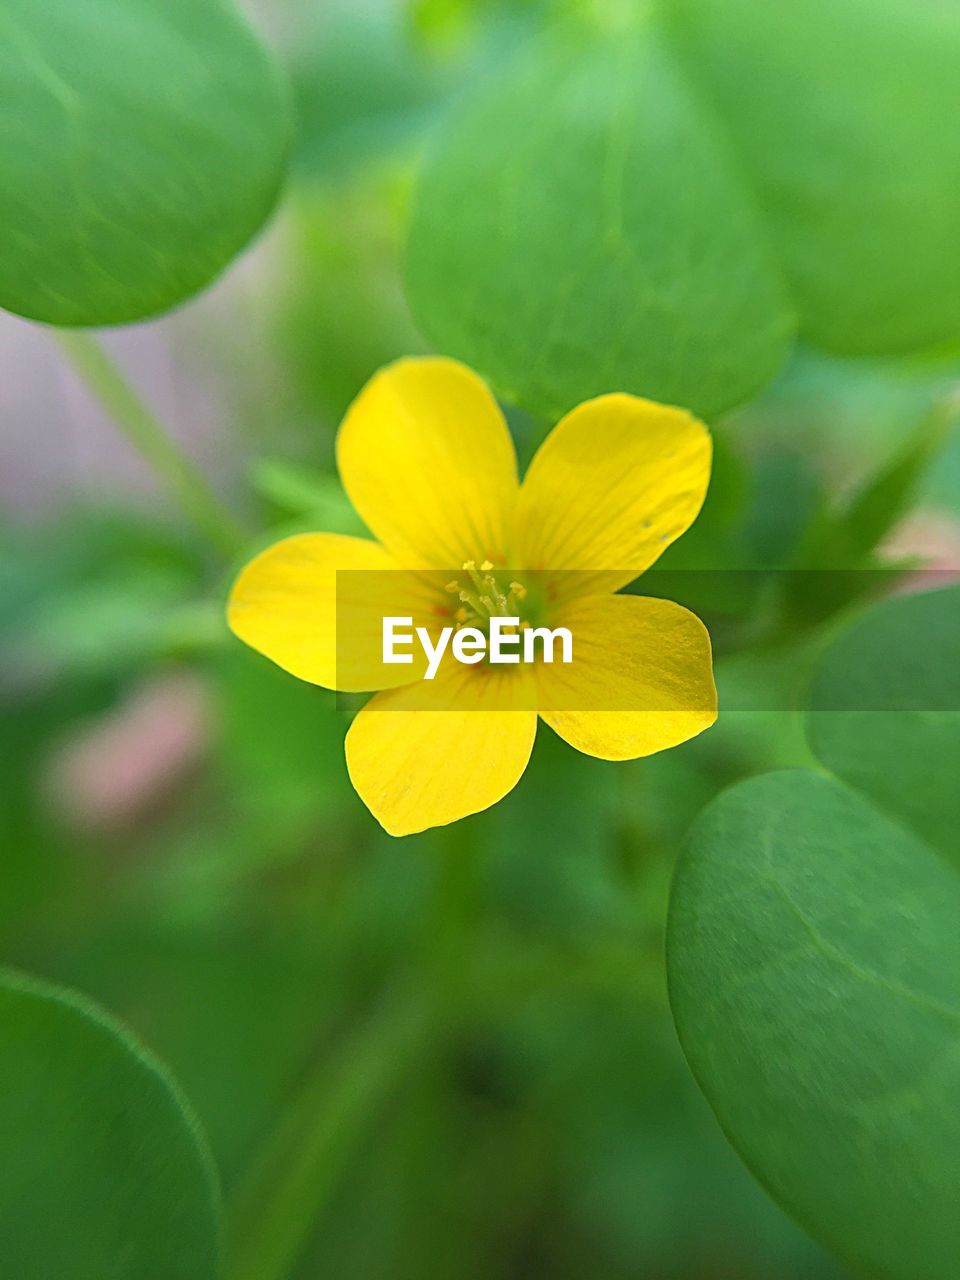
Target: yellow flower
428, 462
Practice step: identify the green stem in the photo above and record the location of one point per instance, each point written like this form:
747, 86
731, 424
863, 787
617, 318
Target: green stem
283, 1197
147, 435
276, 1208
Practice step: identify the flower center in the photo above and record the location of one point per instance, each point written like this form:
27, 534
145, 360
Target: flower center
483, 594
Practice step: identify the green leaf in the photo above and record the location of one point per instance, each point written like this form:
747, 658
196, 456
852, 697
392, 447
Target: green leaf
300, 490
814, 961
814, 952
363, 86
839, 111
143, 145
660, 207
847, 537
105, 1176
886, 712
582, 229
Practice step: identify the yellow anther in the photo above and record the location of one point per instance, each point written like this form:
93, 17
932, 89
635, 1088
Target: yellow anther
486, 566
469, 565
461, 615
519, 590
452, 586
493, 587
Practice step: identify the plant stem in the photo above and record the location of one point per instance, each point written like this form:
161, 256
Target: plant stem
278, 1205
148, 436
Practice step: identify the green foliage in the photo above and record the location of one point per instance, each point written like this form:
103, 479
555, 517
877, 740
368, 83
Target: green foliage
143, 146
305, 493
813, 952
452, 1055
846, 539
543, 253
362, 87
343, 311
886, 712
843, 537
855, 173
105, 1173
646, 202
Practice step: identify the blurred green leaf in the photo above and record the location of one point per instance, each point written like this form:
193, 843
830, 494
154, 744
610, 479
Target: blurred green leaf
300, 490
885, 712
837, 108
144, 145
886, 496
96, 596
651, 205
544, 252
814, 955
845, 538
847, 416
105, 1172
281, 750
342, 309
564, 819
362, 86
842, 541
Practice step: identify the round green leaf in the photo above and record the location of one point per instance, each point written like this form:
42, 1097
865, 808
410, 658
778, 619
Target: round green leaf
885, 712
814, 964
582, 229
143, 144
841, 110
814, 953
105, 1175
660, 209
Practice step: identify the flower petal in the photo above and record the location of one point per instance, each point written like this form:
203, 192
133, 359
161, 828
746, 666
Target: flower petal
416, 766
615, 482
641, 679
314, 604
428, 461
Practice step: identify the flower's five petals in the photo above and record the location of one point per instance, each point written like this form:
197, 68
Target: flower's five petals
641, 679
430, 754
427, 460
314, 604
616, 481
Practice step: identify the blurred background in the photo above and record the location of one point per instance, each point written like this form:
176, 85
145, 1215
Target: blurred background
474, 1019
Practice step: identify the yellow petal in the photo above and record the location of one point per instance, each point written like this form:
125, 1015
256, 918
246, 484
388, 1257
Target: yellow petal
417, 763
615, 482
314, 604
427, 460
641, 679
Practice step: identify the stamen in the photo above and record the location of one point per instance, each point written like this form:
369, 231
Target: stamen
486, 598
493, 587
